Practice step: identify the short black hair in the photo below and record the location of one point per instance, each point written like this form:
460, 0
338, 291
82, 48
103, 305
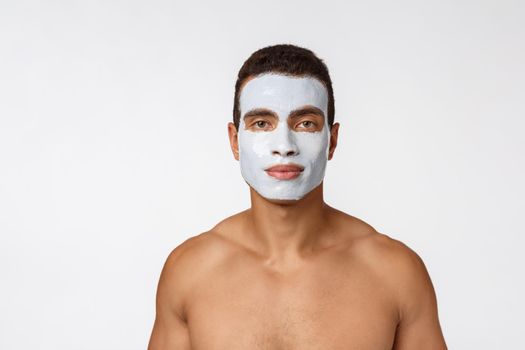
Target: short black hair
286, 59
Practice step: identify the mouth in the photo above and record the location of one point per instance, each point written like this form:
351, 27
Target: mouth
285, 171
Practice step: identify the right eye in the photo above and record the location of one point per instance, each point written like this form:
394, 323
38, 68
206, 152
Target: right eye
260, 124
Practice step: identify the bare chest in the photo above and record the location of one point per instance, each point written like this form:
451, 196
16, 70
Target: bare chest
328, 307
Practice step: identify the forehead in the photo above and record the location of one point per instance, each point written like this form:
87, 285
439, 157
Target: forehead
282, 93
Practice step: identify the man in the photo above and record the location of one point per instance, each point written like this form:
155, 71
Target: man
291, 272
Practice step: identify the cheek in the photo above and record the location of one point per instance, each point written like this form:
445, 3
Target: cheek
254, 145
312, 146
261, 144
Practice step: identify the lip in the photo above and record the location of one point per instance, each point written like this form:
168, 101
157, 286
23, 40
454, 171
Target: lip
285, 171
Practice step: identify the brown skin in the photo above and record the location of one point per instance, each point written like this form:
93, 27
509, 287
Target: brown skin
294, 275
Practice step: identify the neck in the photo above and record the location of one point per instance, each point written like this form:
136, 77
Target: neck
287, 230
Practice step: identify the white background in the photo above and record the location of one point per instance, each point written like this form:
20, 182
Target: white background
114, 150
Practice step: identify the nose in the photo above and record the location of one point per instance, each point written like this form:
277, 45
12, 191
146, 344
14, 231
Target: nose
284, 143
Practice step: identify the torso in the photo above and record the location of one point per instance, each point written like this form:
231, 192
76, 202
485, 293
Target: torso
338, 298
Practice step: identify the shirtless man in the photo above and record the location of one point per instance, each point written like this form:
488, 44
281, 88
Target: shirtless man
291, 272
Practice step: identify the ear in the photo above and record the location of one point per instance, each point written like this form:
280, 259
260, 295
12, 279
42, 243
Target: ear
234, 142
333, 140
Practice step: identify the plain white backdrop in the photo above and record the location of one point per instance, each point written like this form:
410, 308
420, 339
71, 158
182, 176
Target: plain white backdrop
114, 150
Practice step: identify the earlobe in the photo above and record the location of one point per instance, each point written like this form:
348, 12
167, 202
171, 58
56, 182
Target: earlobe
236, 149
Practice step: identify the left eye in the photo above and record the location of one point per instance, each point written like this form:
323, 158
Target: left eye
307, 123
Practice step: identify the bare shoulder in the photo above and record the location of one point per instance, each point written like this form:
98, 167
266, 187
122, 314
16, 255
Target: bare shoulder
389, 257
405, 280
183, 267
186, 265
387, 251
386, 255
200, 252
403, 270
393, 258
192, 250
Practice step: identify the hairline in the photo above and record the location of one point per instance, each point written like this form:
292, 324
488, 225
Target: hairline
276, 72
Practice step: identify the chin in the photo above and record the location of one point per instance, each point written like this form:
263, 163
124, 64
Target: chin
283, 201
273, 198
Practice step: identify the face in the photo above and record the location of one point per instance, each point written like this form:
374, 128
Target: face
283, 125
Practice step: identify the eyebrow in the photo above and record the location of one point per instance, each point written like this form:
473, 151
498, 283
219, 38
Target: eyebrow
257, 112
306, 110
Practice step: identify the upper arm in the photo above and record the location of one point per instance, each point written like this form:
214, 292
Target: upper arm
418, 326
170, 331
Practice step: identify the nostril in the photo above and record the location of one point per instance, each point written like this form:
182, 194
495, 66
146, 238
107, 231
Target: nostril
288, 154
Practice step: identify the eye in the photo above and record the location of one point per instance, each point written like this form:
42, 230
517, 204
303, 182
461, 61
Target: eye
261, 123
307, 124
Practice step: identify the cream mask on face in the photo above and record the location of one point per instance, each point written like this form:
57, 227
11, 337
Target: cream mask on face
282, 141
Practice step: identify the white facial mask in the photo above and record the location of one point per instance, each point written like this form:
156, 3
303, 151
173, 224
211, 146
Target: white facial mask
259, 149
